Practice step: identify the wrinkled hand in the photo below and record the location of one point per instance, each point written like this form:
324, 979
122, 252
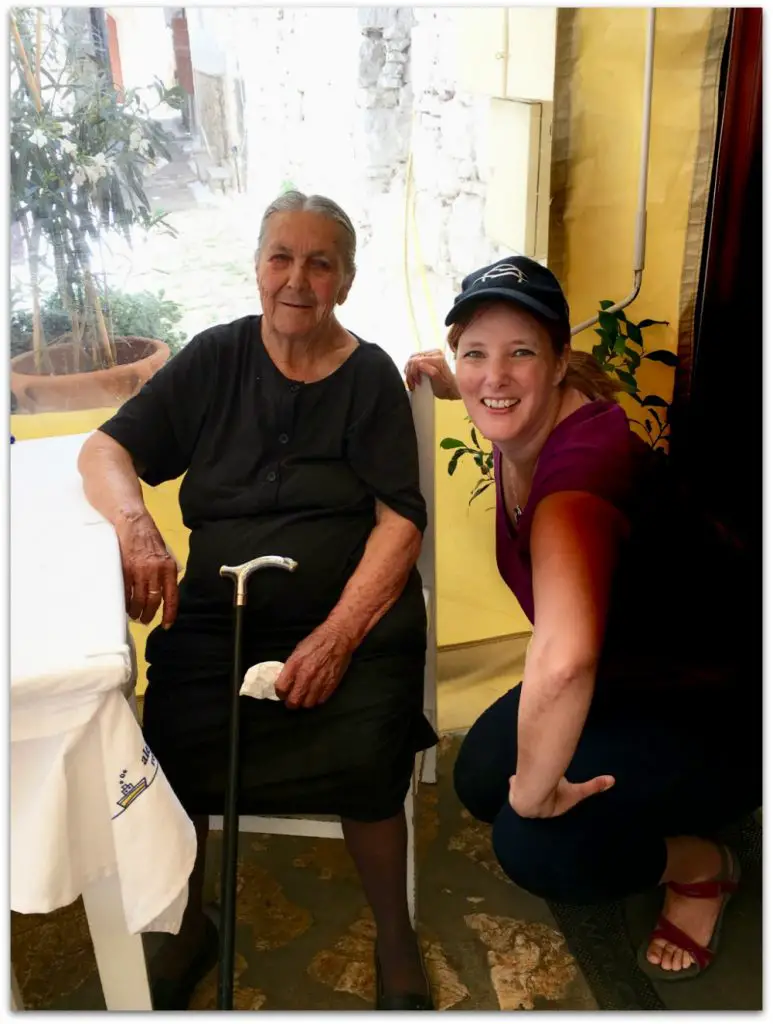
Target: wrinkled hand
433, 364
149, 571
314, 669
565, 796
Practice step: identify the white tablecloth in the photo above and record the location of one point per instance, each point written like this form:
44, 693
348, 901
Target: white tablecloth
88, 799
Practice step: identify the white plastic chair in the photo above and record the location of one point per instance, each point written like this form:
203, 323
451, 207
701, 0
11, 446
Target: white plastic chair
329, 826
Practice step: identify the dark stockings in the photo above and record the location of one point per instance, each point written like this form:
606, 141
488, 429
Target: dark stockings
379, 851
178, 950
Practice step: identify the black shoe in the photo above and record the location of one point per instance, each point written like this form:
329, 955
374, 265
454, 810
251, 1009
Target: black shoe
175, 994
403, 1001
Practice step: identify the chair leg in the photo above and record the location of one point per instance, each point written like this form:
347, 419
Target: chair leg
429, 766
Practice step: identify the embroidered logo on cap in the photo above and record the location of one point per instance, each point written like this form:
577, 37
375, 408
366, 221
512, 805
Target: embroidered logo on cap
505, 270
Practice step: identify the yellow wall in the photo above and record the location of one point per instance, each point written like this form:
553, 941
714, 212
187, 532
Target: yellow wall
161, 501
473, 602
602, 186
606, 114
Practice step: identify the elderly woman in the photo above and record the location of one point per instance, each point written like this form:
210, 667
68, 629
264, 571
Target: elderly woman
295, 437
635, 734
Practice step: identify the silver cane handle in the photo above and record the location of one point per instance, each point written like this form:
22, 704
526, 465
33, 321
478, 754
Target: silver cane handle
241, 573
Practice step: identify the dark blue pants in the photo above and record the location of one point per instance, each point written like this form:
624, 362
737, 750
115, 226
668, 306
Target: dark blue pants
684, 765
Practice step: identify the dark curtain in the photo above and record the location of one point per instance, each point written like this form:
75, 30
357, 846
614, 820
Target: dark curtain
717, 415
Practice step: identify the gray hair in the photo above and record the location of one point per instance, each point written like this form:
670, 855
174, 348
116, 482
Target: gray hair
298, 202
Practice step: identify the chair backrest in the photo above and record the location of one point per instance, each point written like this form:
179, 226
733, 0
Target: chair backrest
423, 408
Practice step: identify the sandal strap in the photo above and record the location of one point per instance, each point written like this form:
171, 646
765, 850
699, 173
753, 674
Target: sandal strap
704, 890
727, 882
668, 930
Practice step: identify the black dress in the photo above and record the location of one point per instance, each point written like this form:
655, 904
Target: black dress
274, 466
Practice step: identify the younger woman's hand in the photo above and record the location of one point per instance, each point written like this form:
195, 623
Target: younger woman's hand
565, 796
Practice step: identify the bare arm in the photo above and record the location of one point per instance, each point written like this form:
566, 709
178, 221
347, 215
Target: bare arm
317, 665
112, 486
574, 542
390, 553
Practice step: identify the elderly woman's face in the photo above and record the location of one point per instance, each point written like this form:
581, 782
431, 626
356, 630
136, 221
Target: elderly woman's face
507, 372
300, 272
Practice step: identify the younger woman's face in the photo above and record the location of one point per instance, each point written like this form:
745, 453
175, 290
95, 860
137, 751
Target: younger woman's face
508, 372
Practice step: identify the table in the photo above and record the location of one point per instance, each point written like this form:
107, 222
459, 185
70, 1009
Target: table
92, 812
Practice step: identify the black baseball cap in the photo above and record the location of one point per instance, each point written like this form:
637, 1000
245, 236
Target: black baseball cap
515, 279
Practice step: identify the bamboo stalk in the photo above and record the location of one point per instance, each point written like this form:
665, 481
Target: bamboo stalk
104, 337
38, 49
77, 340
29, 77
37, 319
77, 329
33, 244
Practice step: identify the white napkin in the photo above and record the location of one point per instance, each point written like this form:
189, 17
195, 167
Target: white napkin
259, 680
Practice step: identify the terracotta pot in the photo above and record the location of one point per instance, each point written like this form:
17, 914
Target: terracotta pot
63, 391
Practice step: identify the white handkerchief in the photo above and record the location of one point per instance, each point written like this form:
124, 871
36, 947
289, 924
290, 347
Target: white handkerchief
259, 680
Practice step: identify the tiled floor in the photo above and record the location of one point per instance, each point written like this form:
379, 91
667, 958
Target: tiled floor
305, 935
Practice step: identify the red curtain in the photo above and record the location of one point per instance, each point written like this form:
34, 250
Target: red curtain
717, 416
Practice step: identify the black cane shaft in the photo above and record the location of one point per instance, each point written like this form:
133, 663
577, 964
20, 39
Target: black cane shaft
230, 834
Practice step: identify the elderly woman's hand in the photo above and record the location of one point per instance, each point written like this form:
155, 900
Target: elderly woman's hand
433, 364
149, 571
314, 669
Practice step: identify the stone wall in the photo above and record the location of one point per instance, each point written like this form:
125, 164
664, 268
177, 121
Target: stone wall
211, 113
376, 120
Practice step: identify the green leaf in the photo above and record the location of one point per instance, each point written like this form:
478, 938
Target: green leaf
648, 425
608, 321
454, 462
651, 323
618, 314
479, 490
652, 400
451, 442
633, 358
620, 341
654, 412
663, 356
635, 334
627, 378
474, 437
599, 353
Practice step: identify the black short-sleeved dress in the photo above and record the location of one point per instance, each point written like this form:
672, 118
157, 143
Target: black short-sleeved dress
277, 467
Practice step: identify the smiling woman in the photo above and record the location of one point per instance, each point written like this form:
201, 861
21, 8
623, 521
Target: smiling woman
304, 266
296, 439
583, 768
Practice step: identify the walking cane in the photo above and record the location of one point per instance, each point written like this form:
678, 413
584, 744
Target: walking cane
225, 982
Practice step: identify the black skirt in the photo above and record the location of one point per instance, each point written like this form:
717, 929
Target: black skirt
351, 756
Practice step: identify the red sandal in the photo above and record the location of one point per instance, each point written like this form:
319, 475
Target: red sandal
724, 885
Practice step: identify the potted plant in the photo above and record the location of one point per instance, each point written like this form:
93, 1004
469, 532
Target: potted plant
79, 150
619, 352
